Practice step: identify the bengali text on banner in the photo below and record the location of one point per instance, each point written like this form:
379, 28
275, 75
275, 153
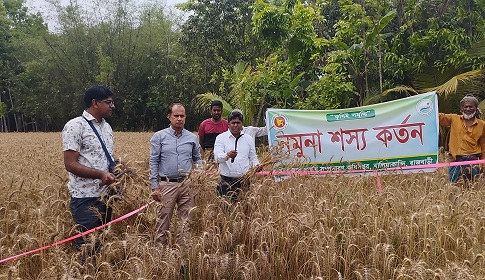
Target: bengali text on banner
393, 134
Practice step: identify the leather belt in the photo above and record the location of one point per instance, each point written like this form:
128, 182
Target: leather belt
229, 179
173, 180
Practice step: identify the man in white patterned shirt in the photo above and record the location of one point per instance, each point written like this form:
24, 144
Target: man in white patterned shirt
87, 162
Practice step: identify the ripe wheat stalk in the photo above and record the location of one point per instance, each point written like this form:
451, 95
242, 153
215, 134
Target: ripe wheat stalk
303, 227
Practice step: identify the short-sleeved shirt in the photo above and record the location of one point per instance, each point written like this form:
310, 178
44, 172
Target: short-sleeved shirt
209, 130
78, 136
464, 140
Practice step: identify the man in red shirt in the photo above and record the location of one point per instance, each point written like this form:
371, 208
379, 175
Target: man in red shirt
210, 128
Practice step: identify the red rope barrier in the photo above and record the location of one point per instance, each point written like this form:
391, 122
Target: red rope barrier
78, 235
271, 173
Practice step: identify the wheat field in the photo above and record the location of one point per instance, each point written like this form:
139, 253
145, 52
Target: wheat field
331, 227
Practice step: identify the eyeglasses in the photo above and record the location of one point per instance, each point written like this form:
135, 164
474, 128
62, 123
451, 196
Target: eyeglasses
109, 102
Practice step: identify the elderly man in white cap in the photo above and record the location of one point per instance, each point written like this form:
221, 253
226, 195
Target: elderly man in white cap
467, 138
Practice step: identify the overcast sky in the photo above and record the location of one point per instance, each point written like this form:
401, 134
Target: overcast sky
40, 5
45, 8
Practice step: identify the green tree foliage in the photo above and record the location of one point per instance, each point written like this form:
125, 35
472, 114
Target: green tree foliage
370, 45
253, 54
133, 51
216, 36
439, 47
20, 36
302, 57
4, 60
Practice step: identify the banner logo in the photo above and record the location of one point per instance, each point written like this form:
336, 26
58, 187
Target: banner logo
280, 122
424, 107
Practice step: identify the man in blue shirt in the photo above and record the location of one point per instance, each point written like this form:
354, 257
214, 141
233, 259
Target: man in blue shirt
174, 152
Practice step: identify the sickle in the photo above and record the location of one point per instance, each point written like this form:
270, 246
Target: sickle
235, 146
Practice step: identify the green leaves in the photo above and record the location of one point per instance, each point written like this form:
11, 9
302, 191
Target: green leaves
3, 109
203, 101
383, 22
252, 54
271, 23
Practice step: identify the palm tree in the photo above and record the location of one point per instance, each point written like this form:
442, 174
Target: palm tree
203, 101
238, 97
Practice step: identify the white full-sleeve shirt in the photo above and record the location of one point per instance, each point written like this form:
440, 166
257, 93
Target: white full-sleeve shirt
255, 131
246, 154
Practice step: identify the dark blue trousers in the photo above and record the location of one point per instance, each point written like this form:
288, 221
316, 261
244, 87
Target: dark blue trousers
83, 214
467, 172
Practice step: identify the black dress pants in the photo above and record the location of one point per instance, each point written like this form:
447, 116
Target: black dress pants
231, 187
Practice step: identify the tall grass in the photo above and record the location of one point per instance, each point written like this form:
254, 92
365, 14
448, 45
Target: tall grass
329, 227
